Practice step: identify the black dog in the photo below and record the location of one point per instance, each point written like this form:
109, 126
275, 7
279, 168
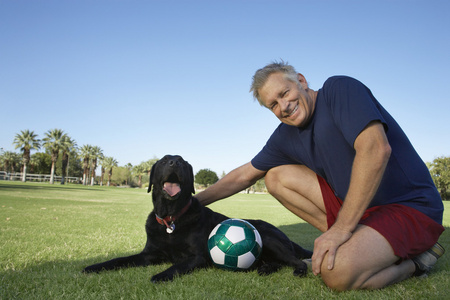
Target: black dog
179, 226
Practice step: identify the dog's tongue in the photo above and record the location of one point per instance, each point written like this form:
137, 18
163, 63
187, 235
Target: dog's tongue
172, 188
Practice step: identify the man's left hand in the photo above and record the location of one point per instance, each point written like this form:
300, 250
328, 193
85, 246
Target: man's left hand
328, 242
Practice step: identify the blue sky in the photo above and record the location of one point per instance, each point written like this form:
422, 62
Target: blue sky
142, 79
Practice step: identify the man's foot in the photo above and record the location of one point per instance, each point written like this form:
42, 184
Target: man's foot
425, 261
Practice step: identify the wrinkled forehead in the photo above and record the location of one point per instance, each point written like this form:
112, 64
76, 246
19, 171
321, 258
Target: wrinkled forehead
273, 87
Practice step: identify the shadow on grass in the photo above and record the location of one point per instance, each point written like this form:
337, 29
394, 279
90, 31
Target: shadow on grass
303, 234
14, 185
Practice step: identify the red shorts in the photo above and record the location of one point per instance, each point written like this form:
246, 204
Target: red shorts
408, 231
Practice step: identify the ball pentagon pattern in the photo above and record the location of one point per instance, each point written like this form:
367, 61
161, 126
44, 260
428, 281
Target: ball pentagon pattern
234, 244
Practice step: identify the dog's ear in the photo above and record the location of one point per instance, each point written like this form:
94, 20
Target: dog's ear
150, 182
191, 174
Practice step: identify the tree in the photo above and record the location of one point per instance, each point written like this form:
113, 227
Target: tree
260, 185
67, 146
440, 172
149, 164
138, 171
206, 177
10, 160
129, 167
85, 153
97, 153
107, 165
120, 176
41, 163
26, 141
34, 162
53, 143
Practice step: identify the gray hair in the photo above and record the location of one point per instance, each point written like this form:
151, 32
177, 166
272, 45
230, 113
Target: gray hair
261, 76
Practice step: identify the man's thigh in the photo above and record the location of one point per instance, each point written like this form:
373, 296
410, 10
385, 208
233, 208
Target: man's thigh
298, 189
297, 178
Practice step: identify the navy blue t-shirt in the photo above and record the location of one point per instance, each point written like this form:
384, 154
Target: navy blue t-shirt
344, 107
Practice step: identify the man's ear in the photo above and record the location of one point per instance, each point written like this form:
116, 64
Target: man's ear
302, 81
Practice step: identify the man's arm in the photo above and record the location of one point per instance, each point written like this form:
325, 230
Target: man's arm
372, 155
232, 183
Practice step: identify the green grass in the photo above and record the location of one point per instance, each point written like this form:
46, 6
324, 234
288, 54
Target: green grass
49, 233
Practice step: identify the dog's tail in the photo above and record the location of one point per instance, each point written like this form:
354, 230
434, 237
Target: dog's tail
300, 252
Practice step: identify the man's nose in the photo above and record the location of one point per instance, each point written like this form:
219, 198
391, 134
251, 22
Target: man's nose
284, 105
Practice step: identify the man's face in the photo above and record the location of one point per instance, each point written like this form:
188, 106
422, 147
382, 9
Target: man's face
287, 100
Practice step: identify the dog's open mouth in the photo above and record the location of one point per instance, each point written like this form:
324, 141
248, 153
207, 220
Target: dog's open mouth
172, 186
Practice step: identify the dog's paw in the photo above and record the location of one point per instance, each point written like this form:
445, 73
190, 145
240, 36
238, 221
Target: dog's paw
301, 271
162, 277
268, 268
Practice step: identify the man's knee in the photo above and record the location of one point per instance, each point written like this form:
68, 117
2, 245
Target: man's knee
272, 179
357, 261
288, 176
340, 279
336, 281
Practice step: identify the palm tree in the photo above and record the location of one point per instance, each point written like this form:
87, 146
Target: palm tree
85, 152
139, 170
67, 146
34, 162
10, 160
96, 153
102, 170
107, 165
26, 141
149, 164
129, 167
53, 142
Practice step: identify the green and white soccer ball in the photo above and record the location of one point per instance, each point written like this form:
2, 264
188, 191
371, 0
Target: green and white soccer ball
234, 244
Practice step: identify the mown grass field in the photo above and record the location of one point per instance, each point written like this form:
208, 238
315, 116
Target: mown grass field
49, 233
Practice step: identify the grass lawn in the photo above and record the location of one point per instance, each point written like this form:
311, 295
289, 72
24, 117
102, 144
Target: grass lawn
49, 233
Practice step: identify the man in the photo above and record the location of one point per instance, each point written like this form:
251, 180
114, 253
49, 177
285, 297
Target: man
340, 162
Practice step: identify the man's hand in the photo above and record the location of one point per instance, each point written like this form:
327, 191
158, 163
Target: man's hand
328, 242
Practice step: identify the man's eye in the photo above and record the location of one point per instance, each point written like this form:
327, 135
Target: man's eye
273, 106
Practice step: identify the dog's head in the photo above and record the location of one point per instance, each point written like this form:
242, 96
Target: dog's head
172, 177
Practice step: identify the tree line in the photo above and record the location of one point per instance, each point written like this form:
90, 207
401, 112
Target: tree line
63, 157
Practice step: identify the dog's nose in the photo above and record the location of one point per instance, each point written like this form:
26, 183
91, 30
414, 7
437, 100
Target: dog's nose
172, 163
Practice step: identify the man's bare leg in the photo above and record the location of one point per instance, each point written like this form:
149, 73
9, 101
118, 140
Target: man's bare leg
297, 188
366, 260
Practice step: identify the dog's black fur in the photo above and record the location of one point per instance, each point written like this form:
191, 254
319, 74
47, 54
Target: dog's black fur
186, 247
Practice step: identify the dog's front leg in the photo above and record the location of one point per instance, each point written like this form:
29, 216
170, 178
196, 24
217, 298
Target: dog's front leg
180, 269
137, 260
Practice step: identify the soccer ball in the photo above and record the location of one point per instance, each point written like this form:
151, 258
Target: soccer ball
234, 244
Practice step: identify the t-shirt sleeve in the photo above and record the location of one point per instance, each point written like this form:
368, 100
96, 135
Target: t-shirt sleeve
352, 106
271, 155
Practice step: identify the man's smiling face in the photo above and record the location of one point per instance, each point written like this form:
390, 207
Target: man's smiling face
287, 99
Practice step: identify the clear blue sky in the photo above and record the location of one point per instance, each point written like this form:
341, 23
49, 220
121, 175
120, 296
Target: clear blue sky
145, 78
